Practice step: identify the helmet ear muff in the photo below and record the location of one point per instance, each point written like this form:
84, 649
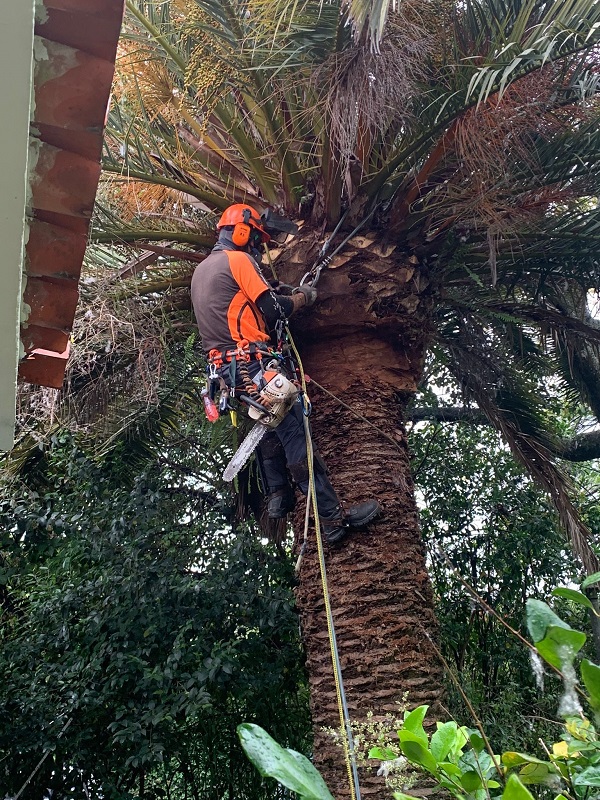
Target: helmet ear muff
241, 234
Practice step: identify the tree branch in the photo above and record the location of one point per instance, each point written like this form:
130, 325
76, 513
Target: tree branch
583, 447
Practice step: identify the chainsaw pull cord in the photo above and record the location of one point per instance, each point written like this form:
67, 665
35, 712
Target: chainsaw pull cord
249, 386
345, 724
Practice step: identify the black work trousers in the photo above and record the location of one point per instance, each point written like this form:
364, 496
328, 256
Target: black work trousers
284, 448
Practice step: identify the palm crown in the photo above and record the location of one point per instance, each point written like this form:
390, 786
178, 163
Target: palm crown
463, 135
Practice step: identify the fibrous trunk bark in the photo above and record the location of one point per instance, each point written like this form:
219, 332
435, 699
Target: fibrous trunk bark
378, 584
365, 340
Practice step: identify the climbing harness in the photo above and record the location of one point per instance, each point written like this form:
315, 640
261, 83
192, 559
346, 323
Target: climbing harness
238, 359
345, 724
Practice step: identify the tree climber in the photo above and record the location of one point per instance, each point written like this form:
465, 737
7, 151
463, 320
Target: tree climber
236, 310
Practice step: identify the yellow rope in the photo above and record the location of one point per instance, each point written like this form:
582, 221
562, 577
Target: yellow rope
344, 722
312, 496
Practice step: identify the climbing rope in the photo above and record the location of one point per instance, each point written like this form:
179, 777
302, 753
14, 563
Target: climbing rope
47, 752
359, 416
345, 725
314, 273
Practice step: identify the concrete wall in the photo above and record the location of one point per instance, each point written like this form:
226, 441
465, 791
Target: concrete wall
16, 48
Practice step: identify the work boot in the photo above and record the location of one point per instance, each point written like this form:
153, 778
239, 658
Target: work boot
337, 528
363, 513
281, 502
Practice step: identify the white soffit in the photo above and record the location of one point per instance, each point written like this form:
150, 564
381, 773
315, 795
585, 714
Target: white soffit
16, 47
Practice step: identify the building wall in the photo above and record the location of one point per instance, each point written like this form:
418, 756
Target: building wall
16, 47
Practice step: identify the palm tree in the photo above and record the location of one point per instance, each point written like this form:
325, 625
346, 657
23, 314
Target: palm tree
442, 160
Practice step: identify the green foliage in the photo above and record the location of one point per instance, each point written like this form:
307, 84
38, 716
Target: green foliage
454, 756
485, 523
139, 617
457, 758
291, 769
556, 642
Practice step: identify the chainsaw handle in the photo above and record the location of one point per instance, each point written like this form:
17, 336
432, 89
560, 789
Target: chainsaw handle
245, 398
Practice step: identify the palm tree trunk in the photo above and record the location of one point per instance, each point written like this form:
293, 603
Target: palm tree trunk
380, 591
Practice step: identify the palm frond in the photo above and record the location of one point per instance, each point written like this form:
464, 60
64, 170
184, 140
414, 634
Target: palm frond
540, 33
517, 419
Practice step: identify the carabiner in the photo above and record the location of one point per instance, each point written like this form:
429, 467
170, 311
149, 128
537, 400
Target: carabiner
306, 404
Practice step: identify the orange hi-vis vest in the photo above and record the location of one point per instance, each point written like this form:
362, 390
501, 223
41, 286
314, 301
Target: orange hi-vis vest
225, 288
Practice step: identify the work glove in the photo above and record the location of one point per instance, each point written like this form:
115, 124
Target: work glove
283, 289
309, 292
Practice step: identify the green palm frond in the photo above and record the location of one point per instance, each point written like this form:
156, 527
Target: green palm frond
368, 19
497, 42
483, 85
196, 230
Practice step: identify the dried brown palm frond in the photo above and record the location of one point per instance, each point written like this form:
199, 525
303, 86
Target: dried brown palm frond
500, 394
541, 465
138, 199
120, 344
492, 135
498, 174
365, 92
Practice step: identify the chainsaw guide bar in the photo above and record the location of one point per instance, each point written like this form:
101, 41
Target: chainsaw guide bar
244, 451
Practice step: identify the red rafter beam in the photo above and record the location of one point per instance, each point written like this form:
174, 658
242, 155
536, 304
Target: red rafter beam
76, 43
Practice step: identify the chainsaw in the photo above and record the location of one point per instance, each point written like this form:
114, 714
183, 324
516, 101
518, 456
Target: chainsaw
273, 402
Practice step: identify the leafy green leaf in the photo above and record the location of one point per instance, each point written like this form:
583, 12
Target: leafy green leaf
513, 759
590, 675
470, 781
514, 790
443, 740
450, 768
574, 596
538, 773
413, 722
291, 769
560, 645
588, 777
477, 742
382, 753
540, 617
416, 752
591, 580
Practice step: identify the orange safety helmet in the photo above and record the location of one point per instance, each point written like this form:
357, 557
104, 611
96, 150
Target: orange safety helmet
243, 219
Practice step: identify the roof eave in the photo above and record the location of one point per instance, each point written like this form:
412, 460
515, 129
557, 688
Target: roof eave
73, 66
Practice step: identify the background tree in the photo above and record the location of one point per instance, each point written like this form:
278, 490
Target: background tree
488, 528
457, 146
80, 659
137, 630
